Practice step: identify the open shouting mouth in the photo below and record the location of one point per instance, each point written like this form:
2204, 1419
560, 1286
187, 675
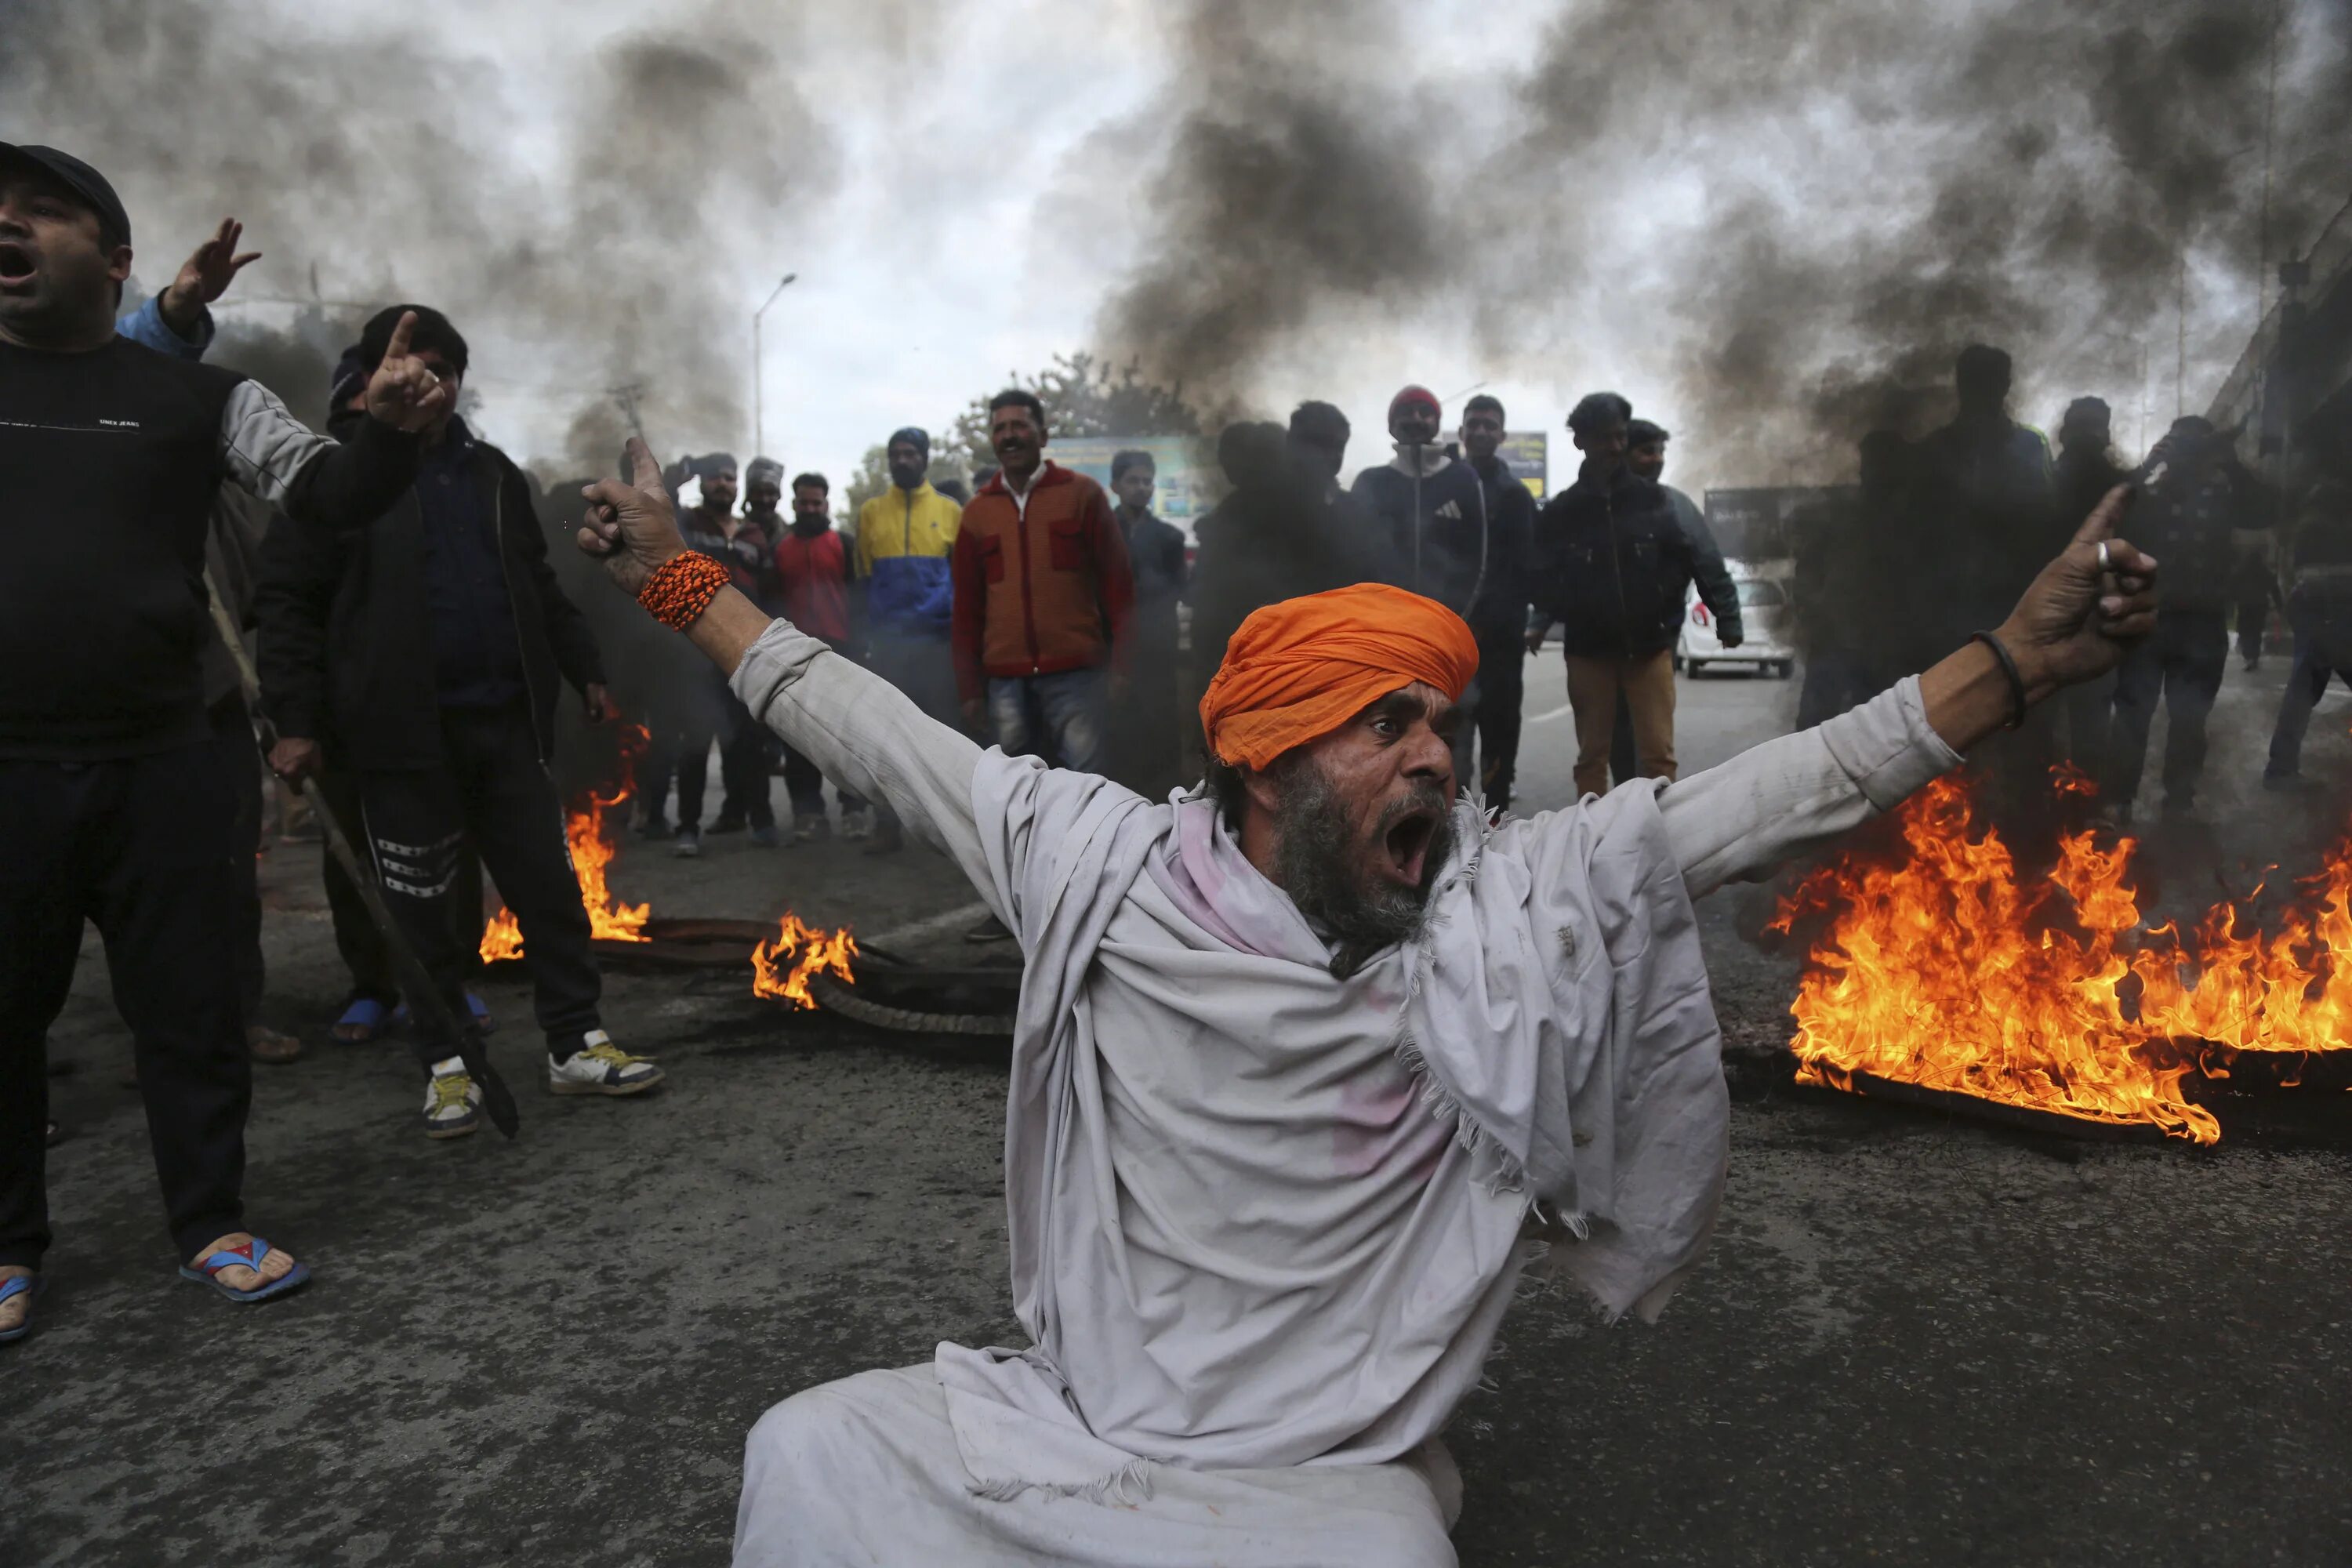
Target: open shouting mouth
1406, 839
17, 265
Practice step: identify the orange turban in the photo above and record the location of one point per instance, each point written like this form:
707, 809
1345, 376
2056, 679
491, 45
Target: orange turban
1298, 671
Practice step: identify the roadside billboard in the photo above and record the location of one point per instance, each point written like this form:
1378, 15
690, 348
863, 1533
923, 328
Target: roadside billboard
1526, 452
1185, 480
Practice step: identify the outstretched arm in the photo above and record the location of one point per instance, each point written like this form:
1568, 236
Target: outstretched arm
1745, 818
858, 729
342, 485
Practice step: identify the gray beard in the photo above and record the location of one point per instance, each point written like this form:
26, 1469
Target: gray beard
1314, 859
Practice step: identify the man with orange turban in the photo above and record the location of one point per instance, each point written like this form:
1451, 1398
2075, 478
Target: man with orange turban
1307, 1066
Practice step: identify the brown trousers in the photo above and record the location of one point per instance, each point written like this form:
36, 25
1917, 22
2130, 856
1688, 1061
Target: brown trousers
1646, 687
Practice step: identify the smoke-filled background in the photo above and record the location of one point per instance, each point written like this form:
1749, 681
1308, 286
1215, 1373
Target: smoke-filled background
1770, 225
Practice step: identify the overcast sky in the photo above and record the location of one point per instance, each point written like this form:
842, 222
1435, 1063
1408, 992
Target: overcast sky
959, 189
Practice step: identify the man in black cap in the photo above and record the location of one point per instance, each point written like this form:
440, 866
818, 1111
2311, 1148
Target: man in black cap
425, 653
115, 805
1615, 568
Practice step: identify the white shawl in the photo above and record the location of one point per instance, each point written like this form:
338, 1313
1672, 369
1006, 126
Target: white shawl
1261, 1217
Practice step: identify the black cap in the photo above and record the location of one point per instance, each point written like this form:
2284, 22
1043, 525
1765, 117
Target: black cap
82, 180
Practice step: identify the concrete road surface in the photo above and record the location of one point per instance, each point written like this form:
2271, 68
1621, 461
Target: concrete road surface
1917, 1340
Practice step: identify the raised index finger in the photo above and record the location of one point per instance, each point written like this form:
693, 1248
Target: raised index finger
646, 472
2101, 523
398, 348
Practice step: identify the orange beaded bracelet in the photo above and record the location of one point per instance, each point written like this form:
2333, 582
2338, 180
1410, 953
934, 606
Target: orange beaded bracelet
681, 588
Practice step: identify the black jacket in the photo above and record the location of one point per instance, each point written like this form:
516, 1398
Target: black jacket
1615, 563
1500, 616
1460, 549
346, 638
1274, 539
2187, 523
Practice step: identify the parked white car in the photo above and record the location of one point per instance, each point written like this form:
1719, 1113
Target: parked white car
1766, 612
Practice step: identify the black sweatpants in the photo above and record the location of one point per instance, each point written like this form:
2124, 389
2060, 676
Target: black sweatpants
144, 848
356, 938
491, 790
743, 772
1502, 694
241, 764
682, 744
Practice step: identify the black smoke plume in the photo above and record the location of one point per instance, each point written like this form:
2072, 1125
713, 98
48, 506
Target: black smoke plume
1811, 207
587, 241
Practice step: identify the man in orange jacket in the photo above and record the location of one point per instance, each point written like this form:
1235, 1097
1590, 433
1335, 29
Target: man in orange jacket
1042, 594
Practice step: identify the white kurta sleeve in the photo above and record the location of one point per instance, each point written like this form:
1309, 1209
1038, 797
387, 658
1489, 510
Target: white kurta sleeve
866, 736
1741, 820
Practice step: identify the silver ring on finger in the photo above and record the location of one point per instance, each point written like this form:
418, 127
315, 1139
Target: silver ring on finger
2103, 555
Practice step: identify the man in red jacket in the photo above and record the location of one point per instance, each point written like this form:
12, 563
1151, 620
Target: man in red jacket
812, 574
1042, 594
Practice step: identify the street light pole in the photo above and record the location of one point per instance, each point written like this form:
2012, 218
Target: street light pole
758, 404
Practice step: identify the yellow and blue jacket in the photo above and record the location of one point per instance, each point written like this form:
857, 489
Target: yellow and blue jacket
904, 540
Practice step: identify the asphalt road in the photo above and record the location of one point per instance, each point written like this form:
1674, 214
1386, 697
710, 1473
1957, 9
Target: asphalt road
1917, 1340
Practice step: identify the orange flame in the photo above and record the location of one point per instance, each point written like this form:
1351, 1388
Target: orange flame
502, 938
1945, 971
2287, 992
808, 952
591, 850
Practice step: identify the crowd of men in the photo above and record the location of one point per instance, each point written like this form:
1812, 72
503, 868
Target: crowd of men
1973, 506
379, 601
1308, 1064
377, 605
1047, 615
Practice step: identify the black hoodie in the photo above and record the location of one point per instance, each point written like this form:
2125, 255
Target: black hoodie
348, 656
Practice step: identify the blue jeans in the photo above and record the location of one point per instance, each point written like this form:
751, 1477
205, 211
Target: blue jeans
1060, 718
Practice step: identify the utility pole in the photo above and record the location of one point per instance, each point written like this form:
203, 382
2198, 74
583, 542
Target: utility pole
759, 401
627, 396
2140, 442
2270, 117
2181, 336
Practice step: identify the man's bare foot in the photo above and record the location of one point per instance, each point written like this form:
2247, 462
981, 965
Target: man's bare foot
279, 1264
268, 1044
17, 1307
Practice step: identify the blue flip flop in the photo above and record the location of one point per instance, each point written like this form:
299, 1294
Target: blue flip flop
364, 1013
474, 1005
28, 1285
249, 1255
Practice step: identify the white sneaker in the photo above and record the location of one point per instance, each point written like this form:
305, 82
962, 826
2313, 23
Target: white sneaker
453, 1100
857, 824
600, 1066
